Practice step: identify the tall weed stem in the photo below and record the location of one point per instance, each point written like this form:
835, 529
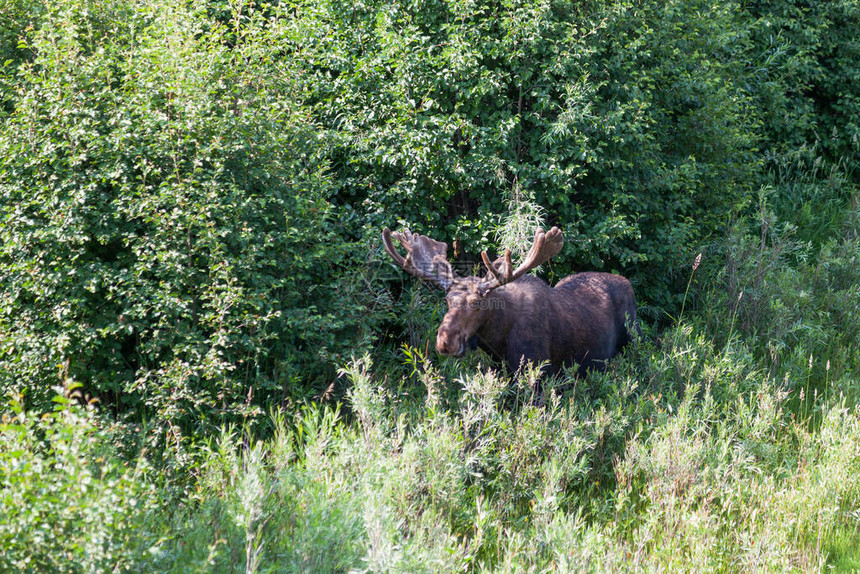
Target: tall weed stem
696, 263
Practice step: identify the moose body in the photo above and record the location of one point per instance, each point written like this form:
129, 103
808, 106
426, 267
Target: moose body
515, 317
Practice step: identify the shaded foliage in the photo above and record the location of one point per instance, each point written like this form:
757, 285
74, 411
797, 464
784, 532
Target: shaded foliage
628, 124
803, 60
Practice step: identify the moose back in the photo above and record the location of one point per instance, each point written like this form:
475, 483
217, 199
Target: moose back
515, 317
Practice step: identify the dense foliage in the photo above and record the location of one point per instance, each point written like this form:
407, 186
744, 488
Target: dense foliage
190, 189
166, 235
628, 124
191, 194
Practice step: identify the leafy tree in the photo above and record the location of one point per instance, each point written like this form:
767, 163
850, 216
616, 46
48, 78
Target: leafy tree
806, 76
190, 192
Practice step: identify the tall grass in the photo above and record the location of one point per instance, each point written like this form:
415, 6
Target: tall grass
685, 457
700, 465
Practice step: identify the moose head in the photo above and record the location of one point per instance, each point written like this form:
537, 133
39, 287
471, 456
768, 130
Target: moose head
468, 300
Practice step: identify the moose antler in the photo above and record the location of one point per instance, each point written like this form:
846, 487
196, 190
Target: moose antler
425, 257
545, 246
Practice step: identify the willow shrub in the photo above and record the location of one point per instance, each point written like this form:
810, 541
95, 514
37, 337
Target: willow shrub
167, 238
805, 76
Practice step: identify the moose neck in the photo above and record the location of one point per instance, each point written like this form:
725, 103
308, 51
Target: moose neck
493, 334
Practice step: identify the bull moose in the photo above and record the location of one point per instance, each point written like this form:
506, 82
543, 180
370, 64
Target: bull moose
515, 317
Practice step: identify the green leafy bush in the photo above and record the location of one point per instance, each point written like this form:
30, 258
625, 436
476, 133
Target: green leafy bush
188, 191
166, 233
17, 19
805, 76
786, 283
68, 502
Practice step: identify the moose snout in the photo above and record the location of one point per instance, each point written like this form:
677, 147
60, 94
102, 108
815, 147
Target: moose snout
448, 343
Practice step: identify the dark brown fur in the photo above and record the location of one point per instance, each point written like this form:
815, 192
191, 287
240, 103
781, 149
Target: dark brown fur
581, 320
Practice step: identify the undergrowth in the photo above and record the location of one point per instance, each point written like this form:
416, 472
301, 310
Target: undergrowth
692, 452
687, 457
